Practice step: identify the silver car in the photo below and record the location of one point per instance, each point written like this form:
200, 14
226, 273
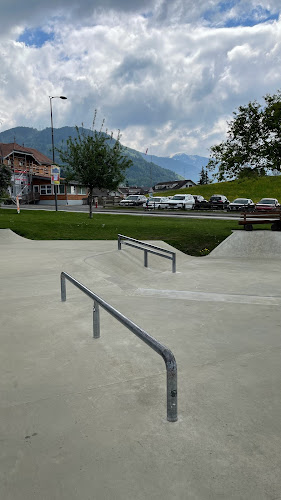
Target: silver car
133, 200
242, 204
185, 201
156, 202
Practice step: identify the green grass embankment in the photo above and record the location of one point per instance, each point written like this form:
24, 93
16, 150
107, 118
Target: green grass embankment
264, 187
191, 236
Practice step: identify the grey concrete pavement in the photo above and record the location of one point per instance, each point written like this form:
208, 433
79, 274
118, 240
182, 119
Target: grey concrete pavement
86, 419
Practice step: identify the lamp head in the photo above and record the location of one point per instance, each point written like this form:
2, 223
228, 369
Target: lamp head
57, 97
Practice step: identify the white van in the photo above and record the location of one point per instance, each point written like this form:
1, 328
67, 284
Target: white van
185, 201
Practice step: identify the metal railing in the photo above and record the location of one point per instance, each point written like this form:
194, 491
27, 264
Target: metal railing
167, 355
148, 248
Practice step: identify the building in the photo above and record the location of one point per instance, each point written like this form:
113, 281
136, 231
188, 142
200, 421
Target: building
31, 178
127, 190
161, 186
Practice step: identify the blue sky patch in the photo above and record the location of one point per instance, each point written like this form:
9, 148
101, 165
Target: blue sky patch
35, 37
252, 19
242, 17
146, 15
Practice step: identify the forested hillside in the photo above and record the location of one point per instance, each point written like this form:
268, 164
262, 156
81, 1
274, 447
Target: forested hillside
141, 173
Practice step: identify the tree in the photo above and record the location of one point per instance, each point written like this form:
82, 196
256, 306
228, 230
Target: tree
95, 161
204, 178
272, 131
207, 180
253, 144
5, 178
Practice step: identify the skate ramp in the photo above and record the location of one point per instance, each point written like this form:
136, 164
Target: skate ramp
84, 418
8, 237
249, 245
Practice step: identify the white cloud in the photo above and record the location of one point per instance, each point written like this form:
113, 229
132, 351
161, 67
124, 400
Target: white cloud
166, 82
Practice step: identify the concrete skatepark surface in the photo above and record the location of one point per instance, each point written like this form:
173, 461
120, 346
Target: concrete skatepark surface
85, 418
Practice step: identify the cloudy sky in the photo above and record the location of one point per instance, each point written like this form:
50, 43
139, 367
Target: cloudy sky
168, 73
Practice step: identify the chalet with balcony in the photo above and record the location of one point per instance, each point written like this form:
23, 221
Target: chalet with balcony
31, 177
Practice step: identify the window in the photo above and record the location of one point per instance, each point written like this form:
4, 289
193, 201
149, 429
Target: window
46, 189
61, 189
76, 190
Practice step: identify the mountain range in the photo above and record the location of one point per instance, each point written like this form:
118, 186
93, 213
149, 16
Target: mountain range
187, 166
146, 170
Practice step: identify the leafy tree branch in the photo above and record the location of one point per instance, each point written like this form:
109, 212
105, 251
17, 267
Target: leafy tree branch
5, 178
253, 144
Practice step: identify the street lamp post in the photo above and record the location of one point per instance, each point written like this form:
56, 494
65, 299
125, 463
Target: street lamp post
53, 147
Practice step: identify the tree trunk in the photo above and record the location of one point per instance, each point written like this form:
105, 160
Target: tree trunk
91, 203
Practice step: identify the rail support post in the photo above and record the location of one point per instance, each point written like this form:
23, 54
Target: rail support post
174, 263
172, 394
96, 320
119, 242
145, 258
62, 288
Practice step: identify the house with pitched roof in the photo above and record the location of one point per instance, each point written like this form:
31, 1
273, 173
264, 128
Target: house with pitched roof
31, 177
161, 186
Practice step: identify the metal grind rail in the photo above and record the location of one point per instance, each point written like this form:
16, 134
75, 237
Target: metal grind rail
147, 247
167, 355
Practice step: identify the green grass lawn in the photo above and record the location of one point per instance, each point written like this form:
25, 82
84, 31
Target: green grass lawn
191, 236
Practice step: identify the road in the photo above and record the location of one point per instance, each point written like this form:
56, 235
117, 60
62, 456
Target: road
218, 215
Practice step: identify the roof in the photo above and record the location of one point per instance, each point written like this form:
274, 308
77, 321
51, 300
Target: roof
178, 182
13, 147
131, 190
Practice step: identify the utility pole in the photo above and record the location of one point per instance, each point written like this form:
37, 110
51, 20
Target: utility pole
53, 147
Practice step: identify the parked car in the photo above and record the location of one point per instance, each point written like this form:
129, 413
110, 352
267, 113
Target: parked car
185, 201
266, 204
156, 202
242, 204
218, 201
200, 202
198, 198
133, 200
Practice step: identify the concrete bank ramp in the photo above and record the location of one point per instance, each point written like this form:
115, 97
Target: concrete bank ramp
250, 244
8, 237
